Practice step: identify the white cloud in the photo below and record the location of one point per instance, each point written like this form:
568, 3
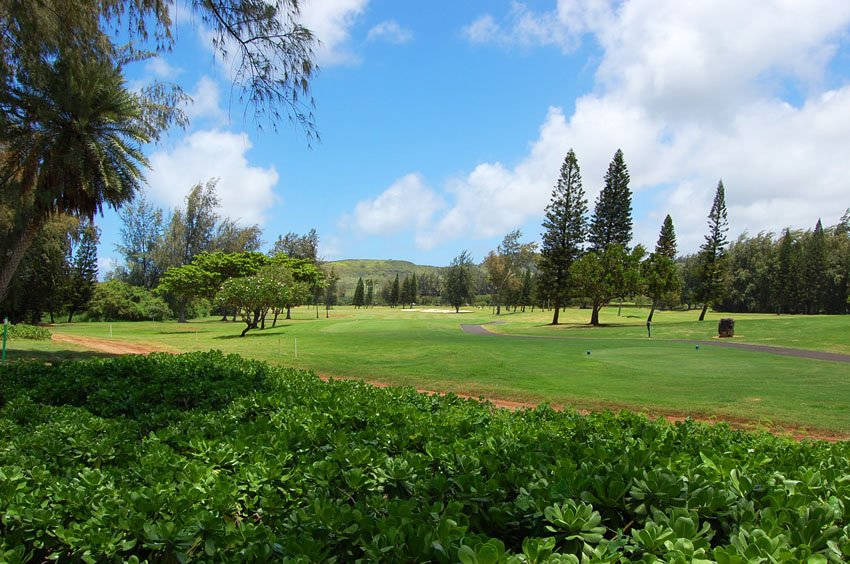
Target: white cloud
409, 202
205, 102
562, 27
692, 92
162, 69
331, 22
391, 31
246, 191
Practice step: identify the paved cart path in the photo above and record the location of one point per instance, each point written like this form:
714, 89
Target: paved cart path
480, 329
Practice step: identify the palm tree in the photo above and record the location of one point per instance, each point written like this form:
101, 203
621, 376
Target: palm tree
74, 147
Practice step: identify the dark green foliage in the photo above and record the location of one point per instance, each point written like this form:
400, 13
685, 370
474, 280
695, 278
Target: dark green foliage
30, 332
711, 265
359, 299
395, 293
565, 232
211, 457
458, 282
611, 223
294, 245
369, 301
83, 271
117, 301
666, 244
814, 270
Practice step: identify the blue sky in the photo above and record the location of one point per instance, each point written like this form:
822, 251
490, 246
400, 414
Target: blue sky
444, 124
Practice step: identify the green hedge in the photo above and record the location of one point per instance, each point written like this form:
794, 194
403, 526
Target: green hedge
31, 332
206, 457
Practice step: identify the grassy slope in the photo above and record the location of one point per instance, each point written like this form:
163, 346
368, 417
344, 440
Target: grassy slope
625, 368
379, 270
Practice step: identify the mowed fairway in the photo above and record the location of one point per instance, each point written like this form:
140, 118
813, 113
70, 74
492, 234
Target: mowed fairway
540, 363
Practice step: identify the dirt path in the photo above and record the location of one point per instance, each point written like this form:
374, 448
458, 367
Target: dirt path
110, 346
480, 329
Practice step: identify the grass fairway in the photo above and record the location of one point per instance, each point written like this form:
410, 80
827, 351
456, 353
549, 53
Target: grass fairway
624, 370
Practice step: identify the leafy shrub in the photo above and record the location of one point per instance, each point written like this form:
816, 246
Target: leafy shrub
118, 301
137, 386
274, 464
31, 332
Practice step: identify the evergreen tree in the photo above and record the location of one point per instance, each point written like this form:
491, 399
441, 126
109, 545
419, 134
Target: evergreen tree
414, 290
612, 219
711, 268
814, 270
359, 294
666, 244
660, 277
459, 288
784, 282
370, 293
84, 272
395, 292
565, 232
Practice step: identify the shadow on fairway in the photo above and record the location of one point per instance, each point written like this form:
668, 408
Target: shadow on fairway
13, 355
255, 333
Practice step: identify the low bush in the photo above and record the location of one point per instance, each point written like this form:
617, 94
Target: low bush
31, 332
264, 463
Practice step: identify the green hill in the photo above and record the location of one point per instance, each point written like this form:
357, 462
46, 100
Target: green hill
380, 271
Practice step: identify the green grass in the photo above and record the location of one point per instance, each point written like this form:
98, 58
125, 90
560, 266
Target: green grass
624, 369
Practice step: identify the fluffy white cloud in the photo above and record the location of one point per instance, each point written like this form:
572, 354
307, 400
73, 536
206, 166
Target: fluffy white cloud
331, 22
162, 69
206, 102
409, 202
391, 31
245, 191
692, 92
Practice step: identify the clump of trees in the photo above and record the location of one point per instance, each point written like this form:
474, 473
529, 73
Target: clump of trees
72, 132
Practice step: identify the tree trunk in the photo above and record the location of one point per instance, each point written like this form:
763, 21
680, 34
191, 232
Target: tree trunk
181, 311
702, 314
246, 329
51, 316
557, 312
274, 321
70, 316
651, 311
594, 316
16, 254
288, 311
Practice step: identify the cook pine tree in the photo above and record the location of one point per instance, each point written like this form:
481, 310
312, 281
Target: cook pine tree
610, 269
711, 264
564, 236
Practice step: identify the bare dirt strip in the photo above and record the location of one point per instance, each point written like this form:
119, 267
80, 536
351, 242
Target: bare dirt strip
480, 329
113, 346
109, 346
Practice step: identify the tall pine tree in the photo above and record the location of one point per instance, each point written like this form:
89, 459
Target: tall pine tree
566, 230
814, 265
84, 271
711, 253
660, 278
666, 244
359, 294
395, 292
612, 218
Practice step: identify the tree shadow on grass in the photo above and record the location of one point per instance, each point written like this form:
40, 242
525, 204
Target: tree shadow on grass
256, 333
54, 356
570, 326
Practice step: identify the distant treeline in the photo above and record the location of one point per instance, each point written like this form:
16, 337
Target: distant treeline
795, 272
